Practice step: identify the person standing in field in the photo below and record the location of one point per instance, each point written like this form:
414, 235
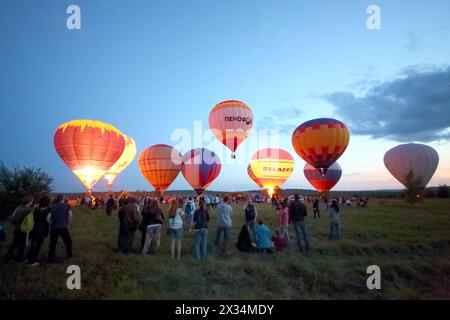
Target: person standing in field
297, 217
145, 220
251, 214
335, 222
153, 235
283, 214
122, 225
176, 227
40, 229
225, 215
200, 223
110, 205
189, 209
20, 237
131, 222
60, 219
316, 209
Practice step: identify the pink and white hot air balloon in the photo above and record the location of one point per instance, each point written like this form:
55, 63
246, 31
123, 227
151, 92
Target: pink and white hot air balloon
420, 159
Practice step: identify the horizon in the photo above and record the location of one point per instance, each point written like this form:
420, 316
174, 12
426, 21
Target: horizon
131, 66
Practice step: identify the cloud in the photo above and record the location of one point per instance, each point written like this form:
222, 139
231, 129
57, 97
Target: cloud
412, 42
413, 107
284, 119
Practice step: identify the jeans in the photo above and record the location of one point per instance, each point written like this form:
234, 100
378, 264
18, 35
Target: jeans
226, 236
251, 229
54, 235
300, 231
19, 243
200, 243
335, 231
152, 239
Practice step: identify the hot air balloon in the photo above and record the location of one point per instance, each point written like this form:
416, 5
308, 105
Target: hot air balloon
124, 161
323, 182
200, 168
320, 142
89, 148
417, 159
272, 167
253, 177
160, 165
231, 122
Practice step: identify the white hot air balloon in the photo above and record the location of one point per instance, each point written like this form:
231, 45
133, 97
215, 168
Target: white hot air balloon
420, 159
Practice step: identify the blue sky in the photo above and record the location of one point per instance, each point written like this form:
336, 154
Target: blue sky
151, 67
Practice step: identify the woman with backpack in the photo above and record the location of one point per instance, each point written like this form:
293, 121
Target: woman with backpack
20, 233
175, 213
40, 229
335, 221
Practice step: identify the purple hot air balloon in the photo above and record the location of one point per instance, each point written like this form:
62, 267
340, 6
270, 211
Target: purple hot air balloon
323, 182
200, 168
420, 159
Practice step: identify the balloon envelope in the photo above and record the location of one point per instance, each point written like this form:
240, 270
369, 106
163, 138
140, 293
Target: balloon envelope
272, 167
323, 182
420, 159
231, 121
200, 168
124, 161
320, 142
89, 148
160, 165
253, 177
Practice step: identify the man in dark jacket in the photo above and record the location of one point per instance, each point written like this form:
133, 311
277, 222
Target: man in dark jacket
60, 219
297, 215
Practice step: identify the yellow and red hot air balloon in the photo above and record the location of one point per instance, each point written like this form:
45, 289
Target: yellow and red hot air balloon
231, 122
253, 177
124, 161
89, 148
160, 165
320, 142
272, 167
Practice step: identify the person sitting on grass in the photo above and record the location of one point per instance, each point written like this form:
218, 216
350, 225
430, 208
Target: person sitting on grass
244, 243
335, 223
263, 237
279, 241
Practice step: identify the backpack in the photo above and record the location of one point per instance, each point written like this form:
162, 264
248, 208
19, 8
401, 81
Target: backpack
27, 223
2, 233
250, 213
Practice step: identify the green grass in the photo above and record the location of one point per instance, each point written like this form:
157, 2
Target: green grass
411, 244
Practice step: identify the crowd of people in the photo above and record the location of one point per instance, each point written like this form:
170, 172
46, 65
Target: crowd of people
146, 217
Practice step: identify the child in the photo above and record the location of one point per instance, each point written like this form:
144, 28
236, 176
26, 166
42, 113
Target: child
279, 241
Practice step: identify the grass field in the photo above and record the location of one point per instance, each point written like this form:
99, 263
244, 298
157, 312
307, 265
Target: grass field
410, 243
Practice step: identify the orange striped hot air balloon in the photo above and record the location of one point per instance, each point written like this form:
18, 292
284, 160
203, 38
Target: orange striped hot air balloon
272, 167
89, 148
253, 177
320, 142
160, 165
231, 122
124, 161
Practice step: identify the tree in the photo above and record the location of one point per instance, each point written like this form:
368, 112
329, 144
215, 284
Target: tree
443, 191
17, 182
414, 187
